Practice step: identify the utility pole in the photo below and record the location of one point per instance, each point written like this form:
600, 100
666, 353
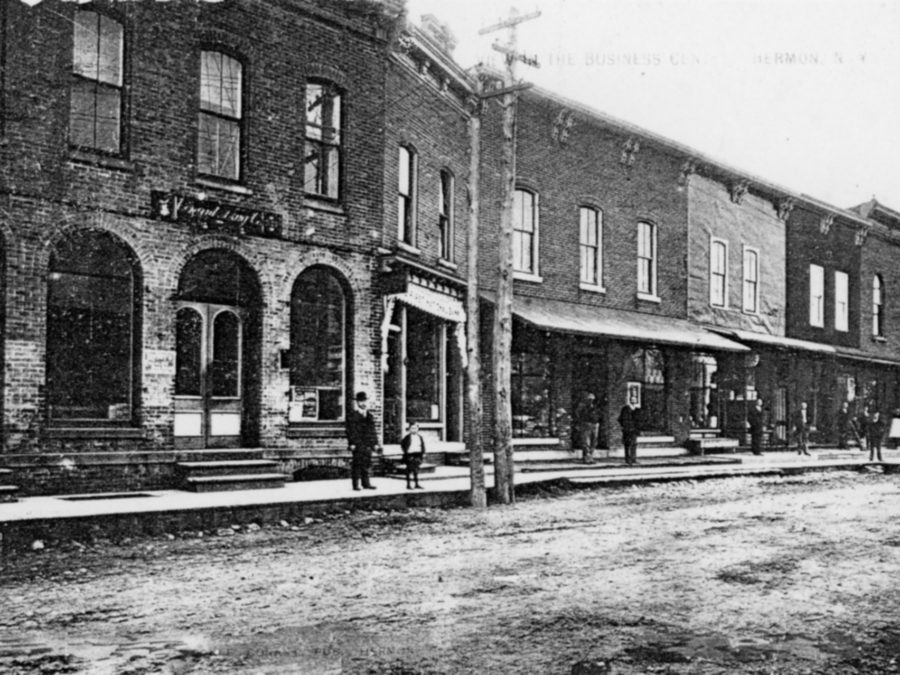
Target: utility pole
477, 492
504, 481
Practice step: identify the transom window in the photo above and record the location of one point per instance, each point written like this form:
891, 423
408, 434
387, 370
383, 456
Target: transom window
219, 129
445, 217
406, 196
816, 296
718, 273
751, 280
322, 155
524, 236
877, 306
590, 225
95, 113
318, 347
91, 330
841, 301
646, 259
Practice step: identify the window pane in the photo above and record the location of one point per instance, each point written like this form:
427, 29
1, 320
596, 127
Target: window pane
109, 110
317, 340
220, 84
188, 350
403, 180
89, 330
81, 114
226, 356
841, 301
109, 59
85, 41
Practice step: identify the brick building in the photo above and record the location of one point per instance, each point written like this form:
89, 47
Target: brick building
192, 205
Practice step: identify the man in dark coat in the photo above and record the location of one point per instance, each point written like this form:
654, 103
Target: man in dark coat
756, 421
628, 420
876, 430
802, 426
845, 424
362, 437
587, 425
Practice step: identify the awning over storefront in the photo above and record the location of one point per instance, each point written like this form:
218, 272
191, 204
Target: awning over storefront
778, 341
861, 355
567, 317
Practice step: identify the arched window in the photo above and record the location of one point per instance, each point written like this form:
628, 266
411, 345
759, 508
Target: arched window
95, 111
318, 360
877, 306
91, 329
525, 232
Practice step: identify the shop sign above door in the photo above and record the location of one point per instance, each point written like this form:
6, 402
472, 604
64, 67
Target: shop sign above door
212, 216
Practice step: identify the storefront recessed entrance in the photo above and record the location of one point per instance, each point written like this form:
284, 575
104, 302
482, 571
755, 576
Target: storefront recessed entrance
215, 345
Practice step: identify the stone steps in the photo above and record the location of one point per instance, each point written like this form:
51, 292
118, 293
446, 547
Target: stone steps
218, 470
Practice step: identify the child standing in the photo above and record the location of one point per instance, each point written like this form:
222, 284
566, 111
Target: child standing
413, 447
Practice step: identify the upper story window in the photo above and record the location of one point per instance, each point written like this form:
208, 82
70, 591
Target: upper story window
646, 259
445, 216
817, 296
219, 126
718, 273
95, 113
406, 196
751, 280
590, 238
877, 306
525, 232
322, 153
841, 301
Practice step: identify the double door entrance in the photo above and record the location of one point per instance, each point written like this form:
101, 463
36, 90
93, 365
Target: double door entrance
209, 391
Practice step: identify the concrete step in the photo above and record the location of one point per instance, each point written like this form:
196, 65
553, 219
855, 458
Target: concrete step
652, 451
250, 481
701, 446
226, 467
9, 494
655, 440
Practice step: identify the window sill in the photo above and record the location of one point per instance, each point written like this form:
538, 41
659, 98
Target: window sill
879, 338
647, 297
591, 288
94, 432
324, 205
224, 185
722, 307
528, 276
316, 430
96, 159
403, 246
750, 312
448, 264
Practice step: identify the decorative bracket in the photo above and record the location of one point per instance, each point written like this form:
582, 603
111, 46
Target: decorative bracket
826, 223
688, 168
630, 149
861, 233
738, 190
785, 206
562, 126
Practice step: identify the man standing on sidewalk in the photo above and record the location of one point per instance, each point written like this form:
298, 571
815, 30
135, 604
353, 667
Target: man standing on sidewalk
587, 425
362, 437
628, 420
756, 421
802, 428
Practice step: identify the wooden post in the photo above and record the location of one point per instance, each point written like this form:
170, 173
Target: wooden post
477, 492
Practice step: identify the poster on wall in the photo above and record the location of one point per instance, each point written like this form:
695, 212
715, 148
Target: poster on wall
304, 404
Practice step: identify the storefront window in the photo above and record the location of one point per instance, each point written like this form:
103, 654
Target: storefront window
90, 330
532, 409
318, 347
648, 367
704, 392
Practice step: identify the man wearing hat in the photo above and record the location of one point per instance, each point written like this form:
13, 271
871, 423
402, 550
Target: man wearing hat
362, 438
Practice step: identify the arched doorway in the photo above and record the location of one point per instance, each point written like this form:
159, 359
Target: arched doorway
217, 353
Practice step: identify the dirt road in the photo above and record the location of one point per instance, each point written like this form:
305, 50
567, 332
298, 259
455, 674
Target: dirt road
742, 575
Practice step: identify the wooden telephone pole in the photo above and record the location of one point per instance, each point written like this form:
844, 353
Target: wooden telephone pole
504, 482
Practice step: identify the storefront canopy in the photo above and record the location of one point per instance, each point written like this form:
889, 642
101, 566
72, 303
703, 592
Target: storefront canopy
862, 355
778, 341
566, 317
